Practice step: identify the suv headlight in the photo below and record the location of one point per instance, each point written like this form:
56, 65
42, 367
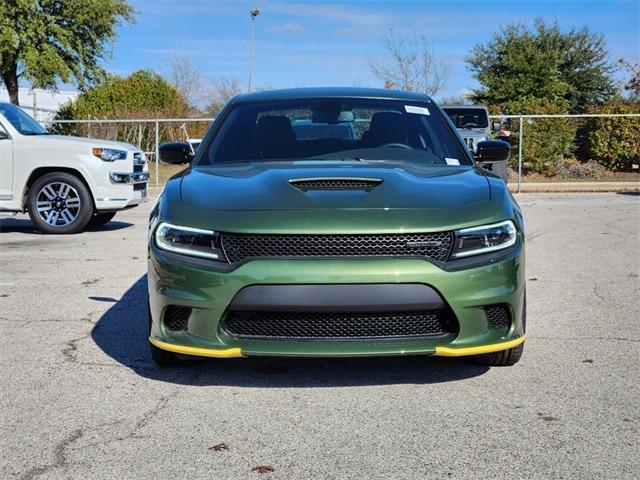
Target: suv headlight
483, 239
109, 154
189, 241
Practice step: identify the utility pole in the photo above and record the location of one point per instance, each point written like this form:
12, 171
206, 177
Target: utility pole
254, 12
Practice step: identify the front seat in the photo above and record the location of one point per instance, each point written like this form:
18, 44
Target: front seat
274, 136
386, 127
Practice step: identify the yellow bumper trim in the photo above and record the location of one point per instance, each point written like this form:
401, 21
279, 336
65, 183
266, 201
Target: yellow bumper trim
197, 351
494, 347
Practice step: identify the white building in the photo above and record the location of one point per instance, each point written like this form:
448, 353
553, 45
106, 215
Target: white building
40, 104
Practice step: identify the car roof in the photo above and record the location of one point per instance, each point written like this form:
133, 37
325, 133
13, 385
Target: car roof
331, 92
444, 107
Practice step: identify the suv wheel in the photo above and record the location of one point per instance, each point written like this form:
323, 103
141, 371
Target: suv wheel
100, 219
59, 203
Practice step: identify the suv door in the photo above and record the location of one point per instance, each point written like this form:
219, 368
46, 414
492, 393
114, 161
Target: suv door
6, 164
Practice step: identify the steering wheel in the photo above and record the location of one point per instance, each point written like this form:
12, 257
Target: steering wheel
470, 125
398, 145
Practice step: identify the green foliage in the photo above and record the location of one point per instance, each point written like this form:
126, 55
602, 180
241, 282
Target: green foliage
614, 142
546, 140
142, 95
44, 41
567, 68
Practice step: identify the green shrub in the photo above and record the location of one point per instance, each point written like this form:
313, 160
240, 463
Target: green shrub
142, 95
614, 142
546, 141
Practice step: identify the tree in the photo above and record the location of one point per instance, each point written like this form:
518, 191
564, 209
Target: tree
224, 89
142, 95
187, 79
46, 41
411, 65
634, 70
544, 64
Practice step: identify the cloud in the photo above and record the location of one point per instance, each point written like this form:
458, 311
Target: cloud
289, 27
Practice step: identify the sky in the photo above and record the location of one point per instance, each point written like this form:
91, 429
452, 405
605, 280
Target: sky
316, 43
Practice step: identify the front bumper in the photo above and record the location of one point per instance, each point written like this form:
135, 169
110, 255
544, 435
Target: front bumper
124, 190
208, 292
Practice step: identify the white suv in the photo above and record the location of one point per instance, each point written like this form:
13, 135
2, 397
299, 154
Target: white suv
65, 183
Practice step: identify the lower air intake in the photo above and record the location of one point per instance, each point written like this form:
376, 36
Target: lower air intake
338, 325
498, 315
176, 318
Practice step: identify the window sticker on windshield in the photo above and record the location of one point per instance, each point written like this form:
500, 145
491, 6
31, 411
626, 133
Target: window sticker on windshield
452, 161
418, 110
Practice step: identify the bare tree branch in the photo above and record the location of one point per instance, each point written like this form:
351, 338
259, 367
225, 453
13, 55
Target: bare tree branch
187, 79
410, 65
223, 89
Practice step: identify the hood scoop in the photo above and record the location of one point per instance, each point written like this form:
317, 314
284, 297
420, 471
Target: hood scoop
335, 183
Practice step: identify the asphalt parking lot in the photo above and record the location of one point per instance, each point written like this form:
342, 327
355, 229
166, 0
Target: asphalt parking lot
82, 399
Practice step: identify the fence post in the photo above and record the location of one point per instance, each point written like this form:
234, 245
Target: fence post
520, 156
157, 155
88, 127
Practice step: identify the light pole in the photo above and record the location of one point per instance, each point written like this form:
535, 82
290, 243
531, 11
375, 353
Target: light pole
254, 12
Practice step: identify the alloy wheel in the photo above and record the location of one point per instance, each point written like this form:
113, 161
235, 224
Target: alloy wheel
58, 204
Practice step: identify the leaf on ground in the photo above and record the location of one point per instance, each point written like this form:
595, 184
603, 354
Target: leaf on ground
587, 360
219, 447
262, 469
533, 279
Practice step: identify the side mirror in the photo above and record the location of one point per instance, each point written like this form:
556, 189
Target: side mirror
175, 153
495, 126
492, 151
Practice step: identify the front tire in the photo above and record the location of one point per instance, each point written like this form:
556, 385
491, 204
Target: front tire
100, 219
59, 203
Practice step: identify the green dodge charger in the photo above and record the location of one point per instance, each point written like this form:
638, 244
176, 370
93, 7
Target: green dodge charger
335, 222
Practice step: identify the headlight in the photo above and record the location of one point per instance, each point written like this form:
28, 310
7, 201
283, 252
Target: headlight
110, 154
484, 239
189, 241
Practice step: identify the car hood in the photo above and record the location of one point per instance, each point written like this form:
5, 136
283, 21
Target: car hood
266, 186
80, 142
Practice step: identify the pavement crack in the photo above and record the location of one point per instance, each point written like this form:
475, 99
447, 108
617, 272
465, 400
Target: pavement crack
59, 456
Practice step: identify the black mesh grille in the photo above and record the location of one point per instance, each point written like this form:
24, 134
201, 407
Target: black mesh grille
342, 325
335, 184
434, 246
139, 186
176, 318
498, 315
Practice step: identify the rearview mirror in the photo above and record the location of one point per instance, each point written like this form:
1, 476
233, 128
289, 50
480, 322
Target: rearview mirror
492, 151
176, 153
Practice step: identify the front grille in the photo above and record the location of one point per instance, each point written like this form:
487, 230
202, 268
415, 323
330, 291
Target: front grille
176, 318
338, 325
138, 162
434, 246
498, 315
335, 184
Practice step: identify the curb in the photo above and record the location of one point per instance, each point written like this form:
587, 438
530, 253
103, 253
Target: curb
575, 187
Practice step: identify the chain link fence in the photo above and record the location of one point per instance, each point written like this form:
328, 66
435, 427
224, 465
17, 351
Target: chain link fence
558, 147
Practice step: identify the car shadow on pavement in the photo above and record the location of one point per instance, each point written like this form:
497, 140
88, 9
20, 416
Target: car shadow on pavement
121, 333
19, 225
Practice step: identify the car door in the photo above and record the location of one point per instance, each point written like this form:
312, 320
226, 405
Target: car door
6, 164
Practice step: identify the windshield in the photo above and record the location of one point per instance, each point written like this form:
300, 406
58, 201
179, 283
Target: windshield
468, 117
19, 120
334, 129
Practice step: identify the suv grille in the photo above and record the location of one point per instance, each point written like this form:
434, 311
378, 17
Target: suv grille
498, 315
434, 246
335, 184
338, 325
